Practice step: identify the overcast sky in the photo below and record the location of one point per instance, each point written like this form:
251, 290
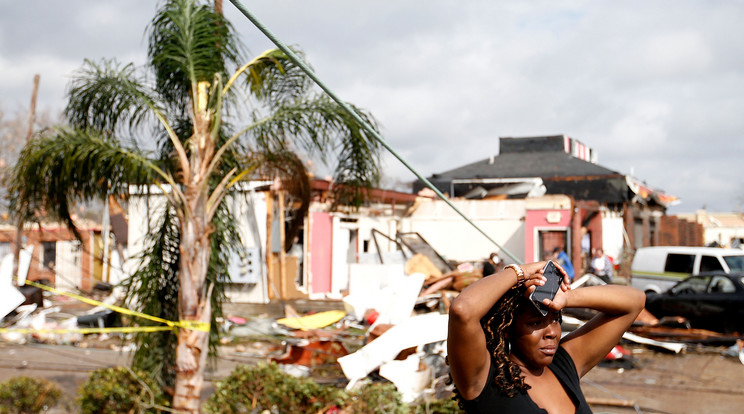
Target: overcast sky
656, 87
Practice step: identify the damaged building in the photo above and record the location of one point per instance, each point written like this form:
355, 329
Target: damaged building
538, 193
607, 209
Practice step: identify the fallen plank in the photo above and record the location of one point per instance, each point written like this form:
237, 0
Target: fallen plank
610, 402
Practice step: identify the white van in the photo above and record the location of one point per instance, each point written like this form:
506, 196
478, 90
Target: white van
656, 269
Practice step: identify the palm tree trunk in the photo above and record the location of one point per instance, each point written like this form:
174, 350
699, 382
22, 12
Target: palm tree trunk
194, 295
191, 358
193, 345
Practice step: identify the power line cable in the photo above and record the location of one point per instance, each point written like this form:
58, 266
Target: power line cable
305, 68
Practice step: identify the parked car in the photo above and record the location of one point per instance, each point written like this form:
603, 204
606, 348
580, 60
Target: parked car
713, 301
656, 269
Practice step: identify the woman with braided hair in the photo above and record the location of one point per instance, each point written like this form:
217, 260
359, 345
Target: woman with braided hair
506, 357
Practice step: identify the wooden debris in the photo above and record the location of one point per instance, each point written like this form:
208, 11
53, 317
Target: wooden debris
421, 264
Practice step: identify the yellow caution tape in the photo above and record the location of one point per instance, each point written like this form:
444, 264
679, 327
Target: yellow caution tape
171, 325
194, 325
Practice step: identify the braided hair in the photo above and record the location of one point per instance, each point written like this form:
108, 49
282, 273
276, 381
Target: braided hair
495, 323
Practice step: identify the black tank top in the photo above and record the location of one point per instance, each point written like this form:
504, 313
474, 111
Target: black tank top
491, 400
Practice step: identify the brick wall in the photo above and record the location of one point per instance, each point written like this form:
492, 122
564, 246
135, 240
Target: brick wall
680, 232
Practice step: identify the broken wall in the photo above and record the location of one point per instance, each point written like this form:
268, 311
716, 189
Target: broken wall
455, 239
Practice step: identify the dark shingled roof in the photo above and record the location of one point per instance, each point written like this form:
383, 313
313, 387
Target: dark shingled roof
527, 164
546, 158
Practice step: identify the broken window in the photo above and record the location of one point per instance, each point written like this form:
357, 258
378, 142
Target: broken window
48, 254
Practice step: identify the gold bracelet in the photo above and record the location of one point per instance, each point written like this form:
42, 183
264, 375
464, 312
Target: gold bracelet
520, 273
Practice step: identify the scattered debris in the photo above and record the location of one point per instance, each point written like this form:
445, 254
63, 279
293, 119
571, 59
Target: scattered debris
685, 335
10, 298
422, 264
101, 319
259, 327
413, 332
670, 346
410, 376
736, 350
314, 321
618, 358
311, 353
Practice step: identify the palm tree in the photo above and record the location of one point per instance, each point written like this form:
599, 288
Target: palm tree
176, 129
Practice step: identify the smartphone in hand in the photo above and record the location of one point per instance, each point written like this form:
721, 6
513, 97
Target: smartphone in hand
549, 289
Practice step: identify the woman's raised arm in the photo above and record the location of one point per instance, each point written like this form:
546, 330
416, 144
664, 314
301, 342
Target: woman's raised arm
618, 307
468, 356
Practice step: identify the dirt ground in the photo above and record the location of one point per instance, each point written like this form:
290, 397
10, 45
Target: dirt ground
698, 381
701, 380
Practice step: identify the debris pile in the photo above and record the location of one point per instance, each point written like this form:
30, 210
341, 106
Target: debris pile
394, 328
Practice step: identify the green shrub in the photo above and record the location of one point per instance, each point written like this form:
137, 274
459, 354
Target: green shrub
266, 387
26, 395
253, 389
448, 406
376, 397
120, 390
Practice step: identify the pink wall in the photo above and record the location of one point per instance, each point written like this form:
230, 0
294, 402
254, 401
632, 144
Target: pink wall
321, 242
543, 220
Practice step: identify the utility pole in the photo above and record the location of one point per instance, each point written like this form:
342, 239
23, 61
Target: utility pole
19, 223
32, 108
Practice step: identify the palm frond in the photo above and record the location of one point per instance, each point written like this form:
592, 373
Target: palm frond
225, 243
273, 78
189, 43
316, 125
73, 165
357, 169
153, 290
104, 95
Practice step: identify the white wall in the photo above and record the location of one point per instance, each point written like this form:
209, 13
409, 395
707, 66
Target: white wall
68, 266
722, 235
455, 239
612, 233
142, 209
345, 252
249, 208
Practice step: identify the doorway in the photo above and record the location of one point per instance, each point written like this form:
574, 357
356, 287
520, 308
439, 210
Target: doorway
548, 240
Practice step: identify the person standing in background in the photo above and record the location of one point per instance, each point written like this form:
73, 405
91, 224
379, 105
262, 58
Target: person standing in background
491, 265
560, 257
601, 266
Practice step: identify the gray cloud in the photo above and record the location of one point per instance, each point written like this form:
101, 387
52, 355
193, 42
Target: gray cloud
653, 86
